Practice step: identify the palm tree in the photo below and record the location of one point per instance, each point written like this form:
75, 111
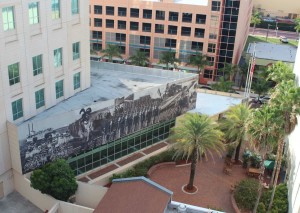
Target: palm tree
255, 20
198, 60
229, 71
297, 27
262, 128
234, 126
280, 72
111, 51
242, 73
222, 85
196, 136
168, 58
139, 59
260, 87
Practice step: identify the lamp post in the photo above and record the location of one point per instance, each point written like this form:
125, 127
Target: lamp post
268, 32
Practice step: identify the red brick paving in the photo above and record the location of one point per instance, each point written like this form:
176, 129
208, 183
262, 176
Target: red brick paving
129, 159
213, 185
84, 179
154, 148
103, 171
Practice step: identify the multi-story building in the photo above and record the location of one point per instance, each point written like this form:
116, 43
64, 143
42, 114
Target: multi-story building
44, 59
215, 28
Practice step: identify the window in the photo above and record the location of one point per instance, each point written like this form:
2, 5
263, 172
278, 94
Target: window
172, 30
98, 22
120, 37
146, 27
145, 40
185, 31
199, 33
200, 19
76, 51
122, 11
210, 60
75, 7
59, 89
208, 73
17, 109
122, 49
97, 35
211, 48
110, 10
8, 18
215, 6
97, 9
33, 12
96, 46
134, 25
134, 13
39, 98
58, 57
159, 28
146, 51
160, 15
173, 16
37, 65
76, 80
187, 17
147, 14
197, 46
13, 74
122, 25
170, 43
55, 5
110, 23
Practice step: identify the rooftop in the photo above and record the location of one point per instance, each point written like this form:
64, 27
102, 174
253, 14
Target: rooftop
191, 2
110, 81
276, 52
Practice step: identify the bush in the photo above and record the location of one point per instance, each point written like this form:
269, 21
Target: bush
142, 168
280, 202
246, 193
261, 208
56, 179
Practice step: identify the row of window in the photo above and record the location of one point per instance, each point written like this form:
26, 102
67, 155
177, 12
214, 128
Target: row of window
147, 14
17, 106
37, 63
8, 14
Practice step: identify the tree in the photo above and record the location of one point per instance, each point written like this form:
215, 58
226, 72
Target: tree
198, 60
262, 128
297, 27
242, 73
196, 136
112, 51
280, 72
234, 126
229, 71
255, 20
222, 85
168, 58
139, 59
260, 87
56, 179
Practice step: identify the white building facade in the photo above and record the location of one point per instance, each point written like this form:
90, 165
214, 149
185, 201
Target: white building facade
44, 59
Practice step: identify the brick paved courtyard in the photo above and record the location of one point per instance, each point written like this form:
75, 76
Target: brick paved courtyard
213, 185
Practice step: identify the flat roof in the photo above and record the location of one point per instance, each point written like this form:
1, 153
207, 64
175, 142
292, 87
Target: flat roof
191, 2
212, 104
110, 81
276, 52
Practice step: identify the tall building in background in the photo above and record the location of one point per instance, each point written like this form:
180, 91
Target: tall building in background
215, 28
44, 59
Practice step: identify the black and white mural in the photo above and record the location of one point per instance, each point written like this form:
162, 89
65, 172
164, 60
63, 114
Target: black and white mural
68, 134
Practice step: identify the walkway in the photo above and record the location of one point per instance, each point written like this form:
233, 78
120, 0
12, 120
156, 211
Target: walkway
213, 185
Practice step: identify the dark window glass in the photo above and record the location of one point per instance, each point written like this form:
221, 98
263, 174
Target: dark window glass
145, 40
98, 22
160, 15
211, 48
120, 37
97, 46
210, 60
97, 35
147, 14
134, 13
199, 33
146, 27
170, 43
215, 5
172, 30
134, 25
200, 19
110, 23
159, 28
173, 16
197, 46
122, 25
122, 11
146, 51
110, 10
185, 31
208, 73
187, 17
97, 9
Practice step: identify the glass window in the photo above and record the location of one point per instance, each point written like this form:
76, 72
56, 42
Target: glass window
37, 65
33, 12
122, 11
58, 57
200, 19
159, 28
134, 13
211, 48
97, 35
110, 10
170, 43
187, 17
208, 73
98, 22
97, 9
173, 16
122, 25
76, 80
160, 15
8, 18
75, 7
120, 37
110, 23
76, 51
13, 74
215, 6
210, 60
147, 14
134, 25
145, 40
146, 27
17, 109
39, 98
59, 89
197, 46
55, 5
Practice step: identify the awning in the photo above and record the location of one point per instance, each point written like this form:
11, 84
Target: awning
269, 164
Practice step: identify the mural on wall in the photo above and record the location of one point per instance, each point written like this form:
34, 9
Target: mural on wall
96, 127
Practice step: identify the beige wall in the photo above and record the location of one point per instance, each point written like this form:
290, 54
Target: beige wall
278, 7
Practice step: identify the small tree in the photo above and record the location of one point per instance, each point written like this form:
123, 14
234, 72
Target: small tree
168, 58
56, 179
255, 20
111, 51
198, 60
297, 27
260, 87
139, 59
222, 85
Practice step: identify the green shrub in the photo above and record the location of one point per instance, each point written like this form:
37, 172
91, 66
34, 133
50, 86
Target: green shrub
261, 208
280, 202
246, 193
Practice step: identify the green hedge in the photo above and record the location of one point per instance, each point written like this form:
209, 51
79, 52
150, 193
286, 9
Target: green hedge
246, 193
142, 168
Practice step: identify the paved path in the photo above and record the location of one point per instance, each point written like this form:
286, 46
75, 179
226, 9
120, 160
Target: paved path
213, 184
272, 33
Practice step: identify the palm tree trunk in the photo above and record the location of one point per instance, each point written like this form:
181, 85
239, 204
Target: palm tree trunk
193, 170
274, 171
237, 152
260, 178
278, 166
